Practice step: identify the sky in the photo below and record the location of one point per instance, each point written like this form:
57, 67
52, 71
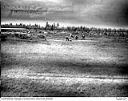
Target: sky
95, 13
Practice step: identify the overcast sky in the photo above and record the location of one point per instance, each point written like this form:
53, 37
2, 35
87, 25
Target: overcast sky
106, 13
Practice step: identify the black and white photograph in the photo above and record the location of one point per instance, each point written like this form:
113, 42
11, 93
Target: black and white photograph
64, 48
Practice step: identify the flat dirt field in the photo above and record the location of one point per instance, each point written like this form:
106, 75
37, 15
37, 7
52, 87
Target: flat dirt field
90, 67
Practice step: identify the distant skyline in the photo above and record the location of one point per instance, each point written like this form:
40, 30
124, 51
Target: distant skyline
90, 13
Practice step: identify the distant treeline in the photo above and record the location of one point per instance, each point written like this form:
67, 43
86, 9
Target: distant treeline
19, 26
56, 26
74, 30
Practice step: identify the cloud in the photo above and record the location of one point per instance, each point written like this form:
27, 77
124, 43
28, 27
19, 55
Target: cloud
102, 12
95, 12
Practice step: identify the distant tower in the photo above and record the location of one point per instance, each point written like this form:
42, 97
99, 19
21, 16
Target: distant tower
57, 24
47, 25
54, 26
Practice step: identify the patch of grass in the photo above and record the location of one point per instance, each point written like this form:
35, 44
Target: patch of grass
76, 61
25, 87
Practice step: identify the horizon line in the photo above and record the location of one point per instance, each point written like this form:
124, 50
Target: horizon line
61, 24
